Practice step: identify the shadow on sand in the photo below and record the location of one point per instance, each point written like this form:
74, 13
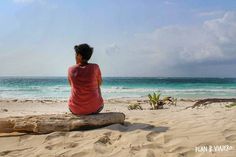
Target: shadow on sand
127, 126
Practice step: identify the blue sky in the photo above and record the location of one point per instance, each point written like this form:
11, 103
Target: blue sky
193, 38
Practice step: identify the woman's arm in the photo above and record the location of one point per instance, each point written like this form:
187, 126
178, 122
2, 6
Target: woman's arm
99, 77
69, 80
68, 77
100, 82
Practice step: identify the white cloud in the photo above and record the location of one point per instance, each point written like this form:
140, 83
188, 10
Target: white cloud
211, 13
214, 40
112, 49
212, 43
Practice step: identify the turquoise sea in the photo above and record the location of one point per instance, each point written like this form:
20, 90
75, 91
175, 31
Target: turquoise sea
117, 87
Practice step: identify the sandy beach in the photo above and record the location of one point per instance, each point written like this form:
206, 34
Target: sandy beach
169, 132
165, 71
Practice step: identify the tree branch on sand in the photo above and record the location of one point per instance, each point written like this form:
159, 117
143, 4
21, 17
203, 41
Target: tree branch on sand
205, 102
58, 122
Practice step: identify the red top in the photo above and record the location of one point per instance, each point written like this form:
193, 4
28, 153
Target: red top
85, 96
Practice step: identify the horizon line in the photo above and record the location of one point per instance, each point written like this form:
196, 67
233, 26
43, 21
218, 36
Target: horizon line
40, 76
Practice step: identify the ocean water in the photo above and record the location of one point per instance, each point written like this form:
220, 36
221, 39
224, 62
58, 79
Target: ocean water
117, 87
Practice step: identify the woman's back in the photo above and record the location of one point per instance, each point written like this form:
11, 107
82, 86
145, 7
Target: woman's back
85, 90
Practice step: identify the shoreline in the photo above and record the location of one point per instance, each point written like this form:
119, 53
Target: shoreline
106, 100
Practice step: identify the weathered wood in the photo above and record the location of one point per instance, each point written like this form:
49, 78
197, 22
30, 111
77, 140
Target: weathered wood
58, 122
205, 102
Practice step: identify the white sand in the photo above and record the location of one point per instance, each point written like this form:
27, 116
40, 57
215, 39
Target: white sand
174, 131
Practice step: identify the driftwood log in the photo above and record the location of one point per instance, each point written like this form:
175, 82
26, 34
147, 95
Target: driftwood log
58, 122
205, 102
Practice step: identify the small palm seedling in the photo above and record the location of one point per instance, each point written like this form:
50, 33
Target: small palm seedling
135, 107
154, 101
157, 103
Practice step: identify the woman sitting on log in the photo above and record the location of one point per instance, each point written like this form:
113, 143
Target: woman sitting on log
85, 80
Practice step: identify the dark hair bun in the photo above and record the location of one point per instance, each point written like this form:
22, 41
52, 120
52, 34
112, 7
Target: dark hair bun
84, 50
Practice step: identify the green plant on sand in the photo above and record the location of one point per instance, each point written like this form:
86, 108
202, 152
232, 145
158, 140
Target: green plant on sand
157, 103
231, 105
135, 107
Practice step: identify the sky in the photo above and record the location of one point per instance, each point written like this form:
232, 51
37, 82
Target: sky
131, 38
